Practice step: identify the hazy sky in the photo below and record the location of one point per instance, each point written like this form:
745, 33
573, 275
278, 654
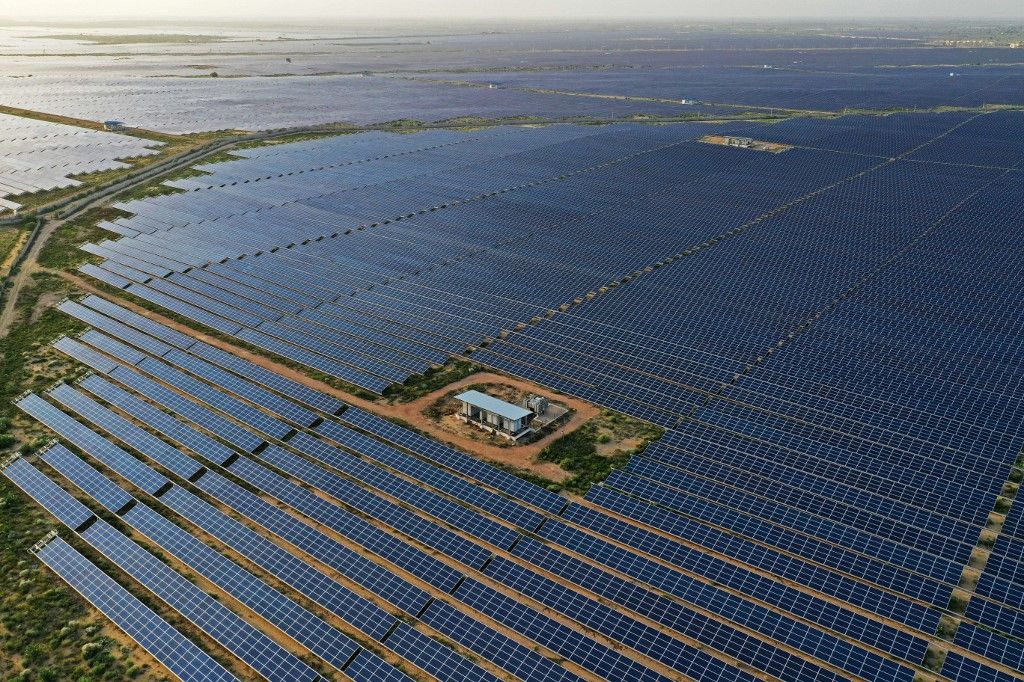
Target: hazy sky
452, 9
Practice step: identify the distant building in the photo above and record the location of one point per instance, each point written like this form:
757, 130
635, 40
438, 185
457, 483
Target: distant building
113, 125
739, 141
494, 415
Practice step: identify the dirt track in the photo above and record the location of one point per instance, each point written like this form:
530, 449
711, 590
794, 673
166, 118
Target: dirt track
31, 264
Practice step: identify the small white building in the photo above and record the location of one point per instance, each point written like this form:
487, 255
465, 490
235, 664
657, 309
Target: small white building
734, 141
494, 415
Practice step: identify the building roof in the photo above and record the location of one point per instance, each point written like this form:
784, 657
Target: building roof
492, 404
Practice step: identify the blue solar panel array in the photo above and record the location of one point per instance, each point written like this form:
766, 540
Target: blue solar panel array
253, 647
173, 650
828, 335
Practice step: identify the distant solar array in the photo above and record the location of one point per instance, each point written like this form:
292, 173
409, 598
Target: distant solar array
778, 82
37, 156
184, 105
252, 78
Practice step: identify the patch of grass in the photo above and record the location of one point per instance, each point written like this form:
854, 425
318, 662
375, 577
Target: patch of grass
148, 192
61, 250
341, 129
49, 633
958, 603
934, 658
9, 236
26, 360
529, 476
219, 157
157, 188
577, 452
401, 123
431, 380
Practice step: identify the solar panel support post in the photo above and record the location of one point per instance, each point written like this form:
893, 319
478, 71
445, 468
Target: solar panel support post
43, 541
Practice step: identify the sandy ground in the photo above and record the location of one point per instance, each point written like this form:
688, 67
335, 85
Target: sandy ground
521, 456
15, 250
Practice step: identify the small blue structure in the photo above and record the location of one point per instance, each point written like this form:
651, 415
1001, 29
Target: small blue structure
113, 125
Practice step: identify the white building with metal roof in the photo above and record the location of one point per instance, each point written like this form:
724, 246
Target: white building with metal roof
494, 415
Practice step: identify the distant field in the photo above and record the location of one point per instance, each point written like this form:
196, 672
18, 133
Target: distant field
138, 38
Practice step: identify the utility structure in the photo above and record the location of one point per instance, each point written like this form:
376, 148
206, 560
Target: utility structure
734, 141
494, 415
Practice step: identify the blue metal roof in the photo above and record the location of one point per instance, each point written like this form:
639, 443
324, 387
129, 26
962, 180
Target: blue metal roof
492, 404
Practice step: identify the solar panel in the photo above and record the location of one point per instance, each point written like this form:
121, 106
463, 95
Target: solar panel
127, 432
112, 347
179, 404
283, 408
431, 535
523, 662
104, 276
370, 668
257, 650
216, 399
359, 531
88, 479
55, 499
454, 460
87, 356
818, 578
174, 651
287, 567
991, 645
350, 563
93, 444
962, 669
553, 635
435, 658
177, 431
292, 389
140, 322
788, 599
475, 524
503, 508
621, 627
114, 328
303, 626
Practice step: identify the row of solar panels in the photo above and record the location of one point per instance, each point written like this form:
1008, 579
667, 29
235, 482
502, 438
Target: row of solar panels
897, 400
527, 582
256, 294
